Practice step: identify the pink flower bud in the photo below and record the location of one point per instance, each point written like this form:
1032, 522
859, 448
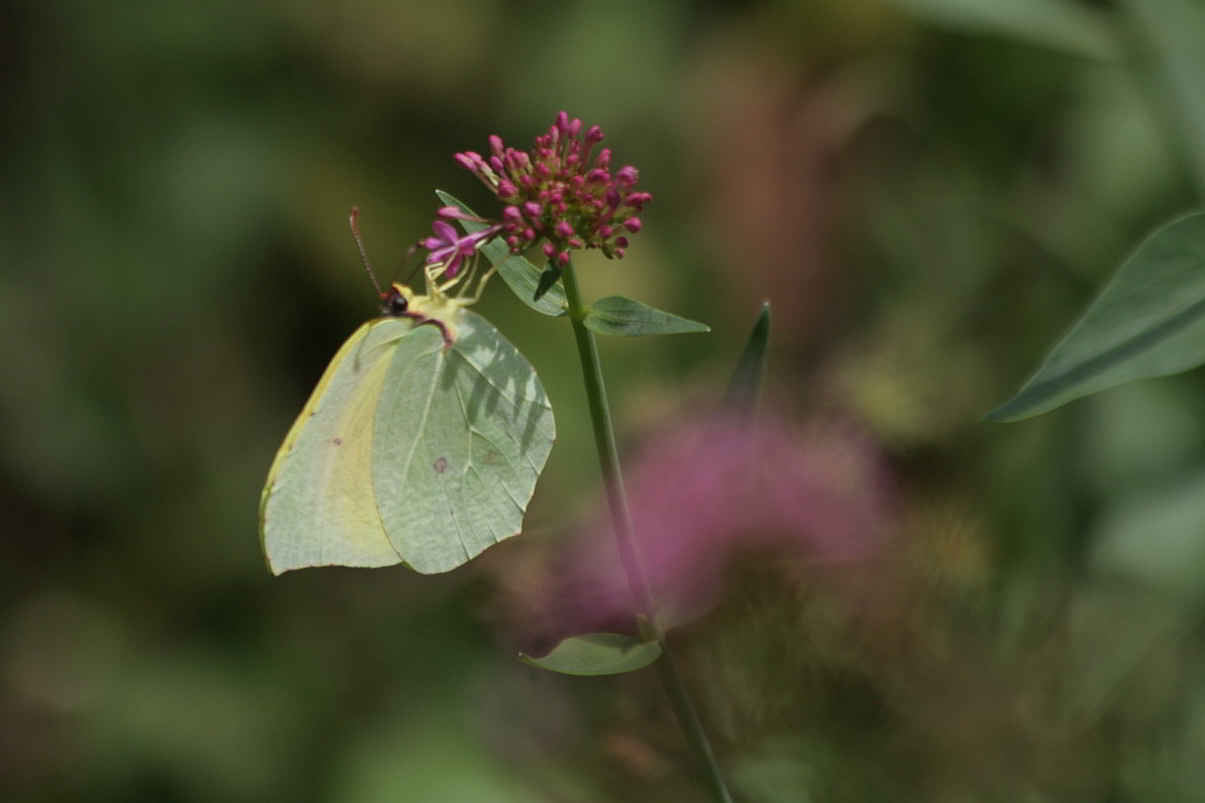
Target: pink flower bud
627, 175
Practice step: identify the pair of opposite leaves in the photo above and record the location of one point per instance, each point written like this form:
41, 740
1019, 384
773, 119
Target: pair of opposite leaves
420, 445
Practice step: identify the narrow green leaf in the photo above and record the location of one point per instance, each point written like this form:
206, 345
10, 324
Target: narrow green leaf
520, 276
548, 280
1058, 24
523, 278
598, 654
745, 385
1148, 321
616, 315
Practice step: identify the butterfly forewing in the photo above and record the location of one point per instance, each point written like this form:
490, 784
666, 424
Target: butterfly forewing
318, 507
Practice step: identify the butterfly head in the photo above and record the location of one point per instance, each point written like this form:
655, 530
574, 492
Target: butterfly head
396, 302
436, 308
451, 271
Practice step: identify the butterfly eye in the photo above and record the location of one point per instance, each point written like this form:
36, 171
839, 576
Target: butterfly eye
395, 304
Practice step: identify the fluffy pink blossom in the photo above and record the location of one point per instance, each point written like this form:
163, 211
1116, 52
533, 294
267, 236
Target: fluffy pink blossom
703, 493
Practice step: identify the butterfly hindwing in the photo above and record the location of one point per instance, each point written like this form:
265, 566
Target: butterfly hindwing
462, 433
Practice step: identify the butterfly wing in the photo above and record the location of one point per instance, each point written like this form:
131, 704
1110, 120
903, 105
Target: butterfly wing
462, 433
317, 507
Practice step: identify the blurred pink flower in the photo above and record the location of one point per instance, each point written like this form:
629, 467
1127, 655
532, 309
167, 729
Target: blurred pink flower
702, 493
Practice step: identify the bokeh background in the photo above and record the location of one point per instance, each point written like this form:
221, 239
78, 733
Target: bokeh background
928, 192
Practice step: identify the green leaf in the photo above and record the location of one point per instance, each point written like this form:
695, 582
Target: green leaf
1148, 321
745, 385
549, 278
522, 277
1057, 24
598, 654
616, 315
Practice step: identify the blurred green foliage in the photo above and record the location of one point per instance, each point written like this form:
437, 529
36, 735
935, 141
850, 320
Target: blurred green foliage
928, 196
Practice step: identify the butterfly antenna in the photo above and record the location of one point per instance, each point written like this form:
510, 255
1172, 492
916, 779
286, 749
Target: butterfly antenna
406, 258
355, 232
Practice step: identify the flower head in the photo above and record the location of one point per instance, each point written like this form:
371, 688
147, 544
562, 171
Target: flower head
561, 191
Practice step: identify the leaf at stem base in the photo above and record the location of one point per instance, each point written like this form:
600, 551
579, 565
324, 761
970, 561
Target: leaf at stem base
598, 654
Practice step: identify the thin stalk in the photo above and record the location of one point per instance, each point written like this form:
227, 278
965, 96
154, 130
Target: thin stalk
608, 458
1167, 35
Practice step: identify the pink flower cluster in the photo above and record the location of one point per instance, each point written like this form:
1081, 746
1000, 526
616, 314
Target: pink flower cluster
561, 191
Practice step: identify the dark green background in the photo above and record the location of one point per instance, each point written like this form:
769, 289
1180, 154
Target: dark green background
926, 204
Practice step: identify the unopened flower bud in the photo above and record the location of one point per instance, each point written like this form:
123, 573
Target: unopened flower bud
627, 175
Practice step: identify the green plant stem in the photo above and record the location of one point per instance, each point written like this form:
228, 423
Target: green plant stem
608, 458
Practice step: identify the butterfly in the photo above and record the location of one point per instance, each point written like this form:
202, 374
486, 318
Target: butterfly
421, 443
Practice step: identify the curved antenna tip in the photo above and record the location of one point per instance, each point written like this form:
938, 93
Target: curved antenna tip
355, 233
